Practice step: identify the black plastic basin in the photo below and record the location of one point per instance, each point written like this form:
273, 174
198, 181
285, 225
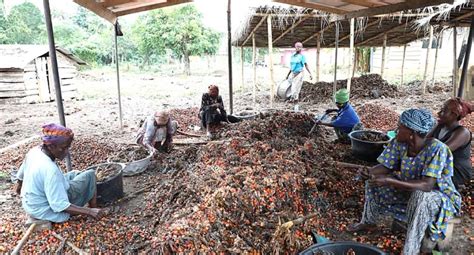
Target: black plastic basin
367, 150
111, 189
342, 248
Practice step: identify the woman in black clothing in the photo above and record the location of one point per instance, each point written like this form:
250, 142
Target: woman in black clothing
212, 110
456, 137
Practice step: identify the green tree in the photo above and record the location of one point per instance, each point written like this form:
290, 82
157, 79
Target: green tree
26, 25
3, 27
179, 29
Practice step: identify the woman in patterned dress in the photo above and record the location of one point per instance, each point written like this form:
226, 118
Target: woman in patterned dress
412, 183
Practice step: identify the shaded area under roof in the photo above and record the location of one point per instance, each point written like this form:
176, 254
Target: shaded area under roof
294, 25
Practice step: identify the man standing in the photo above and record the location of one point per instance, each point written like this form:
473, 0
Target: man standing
295, 75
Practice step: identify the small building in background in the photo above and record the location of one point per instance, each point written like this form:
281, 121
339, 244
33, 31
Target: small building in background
26, 74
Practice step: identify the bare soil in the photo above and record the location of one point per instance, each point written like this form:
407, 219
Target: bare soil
95, 115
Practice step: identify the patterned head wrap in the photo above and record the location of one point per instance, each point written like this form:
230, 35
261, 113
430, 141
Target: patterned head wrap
298, 44
418, 120
459, 107
342, 96
56, 134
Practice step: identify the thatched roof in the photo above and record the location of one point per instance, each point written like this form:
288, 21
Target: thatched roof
290, 25
19, 56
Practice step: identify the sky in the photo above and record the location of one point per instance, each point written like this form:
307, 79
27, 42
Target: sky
214, 11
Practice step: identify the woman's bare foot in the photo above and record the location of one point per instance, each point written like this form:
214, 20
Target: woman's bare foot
361, 227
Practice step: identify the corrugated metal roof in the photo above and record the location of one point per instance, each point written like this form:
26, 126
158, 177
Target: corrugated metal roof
18, 56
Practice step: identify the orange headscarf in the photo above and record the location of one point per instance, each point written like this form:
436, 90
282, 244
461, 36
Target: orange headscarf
459, 107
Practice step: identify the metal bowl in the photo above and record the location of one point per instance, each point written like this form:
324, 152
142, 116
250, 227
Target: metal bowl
367, 150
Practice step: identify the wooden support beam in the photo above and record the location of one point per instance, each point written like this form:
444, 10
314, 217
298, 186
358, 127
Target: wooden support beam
270, 60
313, 5
455, 20
358, 31
403, 64
455, 61
363, 3
391, 8
318, 54
425, 74
318, 33
438, 41
121, 11
382, 66
381, 34
254, 65
254, 29
98, 9
335, 60
290, 29
351, 55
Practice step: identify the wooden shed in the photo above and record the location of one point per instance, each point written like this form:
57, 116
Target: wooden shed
25, 73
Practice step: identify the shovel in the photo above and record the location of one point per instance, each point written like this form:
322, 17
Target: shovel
316, 122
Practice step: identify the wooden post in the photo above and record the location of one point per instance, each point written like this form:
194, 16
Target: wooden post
270, 59
351, 57
425, 74
335, 60
229, 57
455, 61
439, 39
382, 66
466, 60
403, 64
254, 60
242, 67
318, 53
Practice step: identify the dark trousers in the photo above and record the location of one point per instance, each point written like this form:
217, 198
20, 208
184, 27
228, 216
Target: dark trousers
214, 117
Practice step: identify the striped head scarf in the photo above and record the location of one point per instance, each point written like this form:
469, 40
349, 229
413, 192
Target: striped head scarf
56, 134
419, 120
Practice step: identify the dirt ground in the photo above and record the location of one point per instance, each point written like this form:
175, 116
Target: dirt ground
96, 114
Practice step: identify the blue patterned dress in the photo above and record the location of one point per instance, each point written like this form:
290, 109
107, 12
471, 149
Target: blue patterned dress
436, 161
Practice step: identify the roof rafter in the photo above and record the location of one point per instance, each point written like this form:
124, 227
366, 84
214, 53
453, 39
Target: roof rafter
317, 33
364, 3
109, 3
407, 5
359, 30
381, 34
290, 29
254, 29
312, 5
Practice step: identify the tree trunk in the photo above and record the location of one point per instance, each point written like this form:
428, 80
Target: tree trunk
187, 64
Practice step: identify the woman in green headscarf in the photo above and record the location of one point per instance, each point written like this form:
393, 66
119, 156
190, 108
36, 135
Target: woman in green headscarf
346, 120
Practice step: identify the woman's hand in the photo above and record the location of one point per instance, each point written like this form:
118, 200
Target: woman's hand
379, 180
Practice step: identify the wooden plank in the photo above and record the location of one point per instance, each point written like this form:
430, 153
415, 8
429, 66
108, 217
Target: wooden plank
391, 8
254, 29
312, 5
98, 9
270, 60
146, 7
425, 74
290, 29
43, 84
110, 3
12, 86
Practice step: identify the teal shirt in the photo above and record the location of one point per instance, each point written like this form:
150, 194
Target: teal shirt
297, 62
44, 189
436, 161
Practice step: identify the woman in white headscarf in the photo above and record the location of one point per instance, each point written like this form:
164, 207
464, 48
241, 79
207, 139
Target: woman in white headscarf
157, 132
